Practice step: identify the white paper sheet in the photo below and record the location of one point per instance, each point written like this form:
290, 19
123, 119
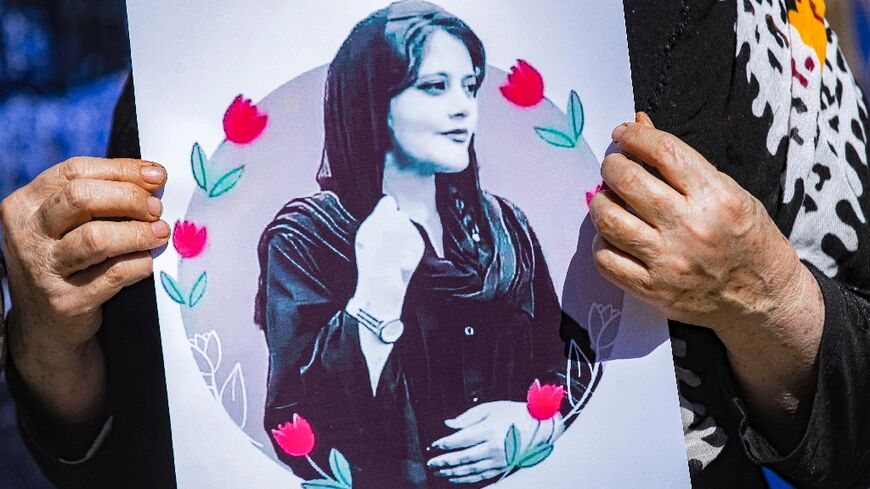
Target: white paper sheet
192, 59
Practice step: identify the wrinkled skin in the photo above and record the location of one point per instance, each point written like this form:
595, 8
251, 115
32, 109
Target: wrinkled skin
686, 239
73, 238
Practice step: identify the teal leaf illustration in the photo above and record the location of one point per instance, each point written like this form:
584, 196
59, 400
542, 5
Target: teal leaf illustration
536, 455
226, 182
555, 137
340, 467
171, 288
512, 445
197, 164
324, 484
198, 290
576, 118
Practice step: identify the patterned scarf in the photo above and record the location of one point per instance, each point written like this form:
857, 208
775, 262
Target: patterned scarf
818, 120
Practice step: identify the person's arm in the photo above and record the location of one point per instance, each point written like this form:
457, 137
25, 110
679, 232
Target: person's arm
64, 262
316, 367
388, 248
774, 358
65, 387
701, 250
833, 450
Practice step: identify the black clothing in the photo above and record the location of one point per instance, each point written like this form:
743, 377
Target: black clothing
138, 452
691, 77
686, 74
480, 326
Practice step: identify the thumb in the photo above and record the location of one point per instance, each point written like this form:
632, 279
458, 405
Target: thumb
468, 418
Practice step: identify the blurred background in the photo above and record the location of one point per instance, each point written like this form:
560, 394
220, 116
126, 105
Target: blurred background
62, 65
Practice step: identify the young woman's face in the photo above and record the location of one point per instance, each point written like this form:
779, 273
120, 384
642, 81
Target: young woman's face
433, 120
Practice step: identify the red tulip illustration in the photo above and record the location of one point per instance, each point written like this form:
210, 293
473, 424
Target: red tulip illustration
295, 437
188, 239
544, 401
592, 193
524, 86
243, 122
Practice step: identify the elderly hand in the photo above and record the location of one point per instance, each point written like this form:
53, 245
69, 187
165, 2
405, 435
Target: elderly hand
73, 238
689, 241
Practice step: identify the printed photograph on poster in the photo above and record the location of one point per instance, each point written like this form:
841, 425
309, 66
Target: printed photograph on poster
380, 272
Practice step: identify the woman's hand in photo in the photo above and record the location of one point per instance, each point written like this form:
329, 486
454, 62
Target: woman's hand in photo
388, 249
476, 450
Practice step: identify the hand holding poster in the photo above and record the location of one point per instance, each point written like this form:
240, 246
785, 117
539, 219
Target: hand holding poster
380, 273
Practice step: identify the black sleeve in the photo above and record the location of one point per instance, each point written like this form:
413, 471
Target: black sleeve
316, 366
137, 451
835, 449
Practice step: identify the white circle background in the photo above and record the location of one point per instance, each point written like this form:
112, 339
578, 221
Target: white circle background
543, 180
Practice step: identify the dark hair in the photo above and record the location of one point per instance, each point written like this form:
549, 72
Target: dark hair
378, 60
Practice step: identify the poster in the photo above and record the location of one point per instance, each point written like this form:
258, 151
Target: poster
452, 333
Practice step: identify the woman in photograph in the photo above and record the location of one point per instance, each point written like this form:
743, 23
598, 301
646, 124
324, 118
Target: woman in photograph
406, 311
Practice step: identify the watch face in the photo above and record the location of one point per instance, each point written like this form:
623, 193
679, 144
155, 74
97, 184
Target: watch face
392, 331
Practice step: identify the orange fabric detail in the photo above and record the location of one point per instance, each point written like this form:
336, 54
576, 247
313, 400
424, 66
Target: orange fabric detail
809, 20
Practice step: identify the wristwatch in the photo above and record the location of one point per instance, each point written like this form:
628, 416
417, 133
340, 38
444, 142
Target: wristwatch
388, 332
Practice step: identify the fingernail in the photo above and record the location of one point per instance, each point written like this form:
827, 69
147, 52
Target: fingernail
160, 229
155, 207
619, 131
153, 174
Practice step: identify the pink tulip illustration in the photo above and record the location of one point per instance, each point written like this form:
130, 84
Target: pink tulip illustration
524, 86
295, 437
188, 239
243, 122
544, 401
592, 193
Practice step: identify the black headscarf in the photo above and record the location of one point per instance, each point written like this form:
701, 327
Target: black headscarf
488, 244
